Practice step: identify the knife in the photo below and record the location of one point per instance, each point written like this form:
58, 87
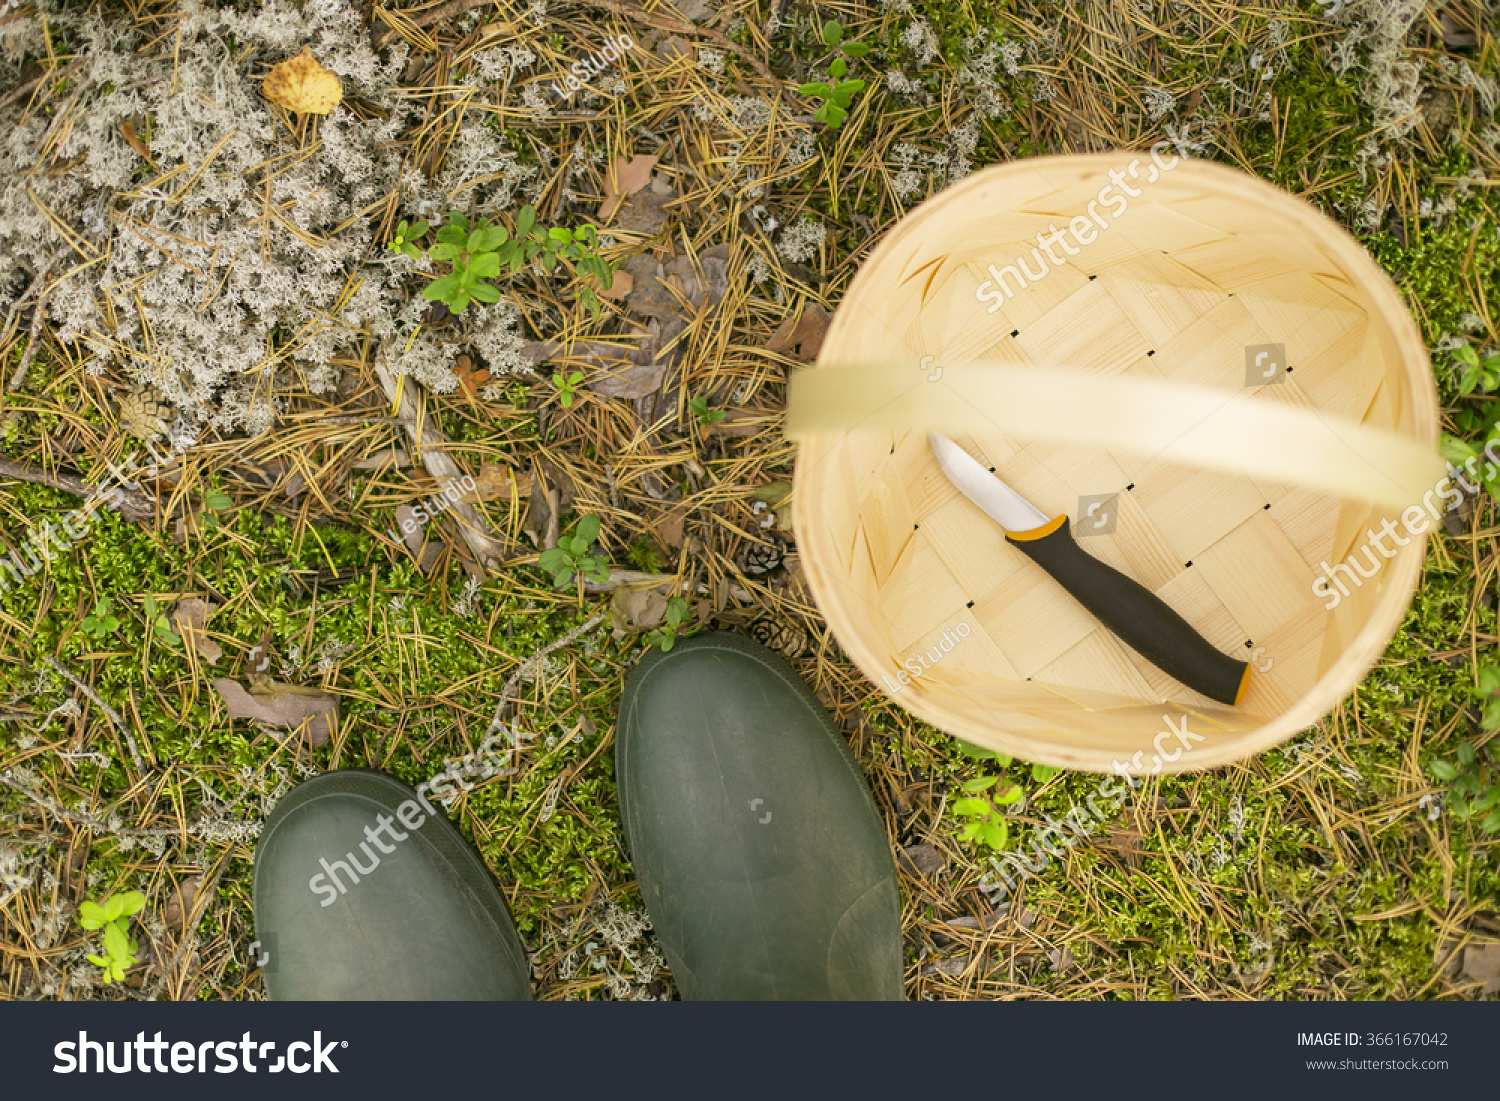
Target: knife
1138, 616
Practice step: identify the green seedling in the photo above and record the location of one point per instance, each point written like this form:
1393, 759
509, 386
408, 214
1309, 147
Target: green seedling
1472, 460
567, 386
474, 252
113, 916
405, 237
665, 637
839, 93
704, 415
1478, 373
986, 822
1474, 788
480, 251
101, 623
571, 556
157, 619
1479, 376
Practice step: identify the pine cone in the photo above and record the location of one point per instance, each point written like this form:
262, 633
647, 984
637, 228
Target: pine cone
762, 558
145, 414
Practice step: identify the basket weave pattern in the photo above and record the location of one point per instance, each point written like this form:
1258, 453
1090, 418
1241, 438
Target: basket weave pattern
1205, 263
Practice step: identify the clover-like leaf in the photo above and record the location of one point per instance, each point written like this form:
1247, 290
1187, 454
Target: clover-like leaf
91, 915
814, 89
855, 49
1012, 794
486, 292
980, 783
441, 288
833, 34
115, 942
485, 265
995, 832
525, 221
839, 67
588, 527
967, 807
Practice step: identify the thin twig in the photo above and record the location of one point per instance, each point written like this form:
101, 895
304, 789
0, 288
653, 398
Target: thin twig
114, 715
135, 506
19, 376
498, 722
487, 551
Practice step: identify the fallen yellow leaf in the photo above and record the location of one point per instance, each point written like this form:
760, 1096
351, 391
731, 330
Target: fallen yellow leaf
300, 84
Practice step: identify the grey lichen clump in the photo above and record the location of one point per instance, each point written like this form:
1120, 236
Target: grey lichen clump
247, 270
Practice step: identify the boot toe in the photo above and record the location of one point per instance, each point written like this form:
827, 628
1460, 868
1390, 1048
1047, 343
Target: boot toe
759, 851
405, 911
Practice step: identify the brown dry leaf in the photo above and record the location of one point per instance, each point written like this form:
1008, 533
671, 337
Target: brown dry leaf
468, 378
742, 422
642, 212
669, 527
127, 128
621, 371
180, 905
284, 705
190, 618
495, 480
638, 609
1482, 964
625, 178
300, 84
805, 335
620, 285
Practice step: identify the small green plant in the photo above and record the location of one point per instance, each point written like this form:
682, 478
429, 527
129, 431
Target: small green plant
837, 95
1474, 788
1478, 373
567, 386
478, 252
986, 822
113, 916
704, 415
101, 623
571, 556
474, 253
405, 237
665, 637
157, 619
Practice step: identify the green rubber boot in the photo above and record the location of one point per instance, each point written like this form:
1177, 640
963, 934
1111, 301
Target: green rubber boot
759, 852
362, 893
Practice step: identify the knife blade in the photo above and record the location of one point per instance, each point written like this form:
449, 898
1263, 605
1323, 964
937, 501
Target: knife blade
1140, 618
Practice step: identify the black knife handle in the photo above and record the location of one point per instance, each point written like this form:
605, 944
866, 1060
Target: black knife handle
1134, 613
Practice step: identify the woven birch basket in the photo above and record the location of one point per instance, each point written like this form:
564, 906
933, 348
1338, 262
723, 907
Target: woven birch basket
1130, 373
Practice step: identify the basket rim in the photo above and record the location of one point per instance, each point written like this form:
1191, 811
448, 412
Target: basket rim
1395, 587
